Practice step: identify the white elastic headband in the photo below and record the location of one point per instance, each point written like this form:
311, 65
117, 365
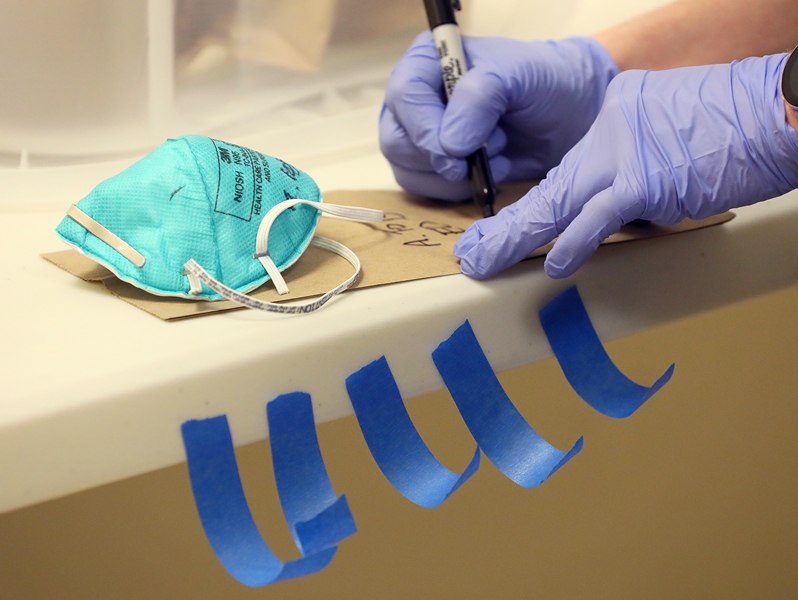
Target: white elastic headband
197, 275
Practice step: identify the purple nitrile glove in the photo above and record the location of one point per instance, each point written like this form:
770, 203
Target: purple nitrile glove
688, 142
527, 102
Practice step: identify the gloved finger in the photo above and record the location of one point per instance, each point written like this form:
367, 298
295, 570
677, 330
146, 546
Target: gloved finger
431, 185
539, 216
474, 109
496, 243
601, 216
533, 166
415, 97
397, 147
496, 142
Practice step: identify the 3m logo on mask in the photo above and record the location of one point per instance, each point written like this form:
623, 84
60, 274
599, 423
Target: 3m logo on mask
205, 219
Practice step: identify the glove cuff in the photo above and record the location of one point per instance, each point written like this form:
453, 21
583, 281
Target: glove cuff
785, 137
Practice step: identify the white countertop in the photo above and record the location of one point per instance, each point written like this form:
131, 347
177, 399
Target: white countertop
95, 390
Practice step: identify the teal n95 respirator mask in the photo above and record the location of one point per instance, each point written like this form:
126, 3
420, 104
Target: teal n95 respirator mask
204, 219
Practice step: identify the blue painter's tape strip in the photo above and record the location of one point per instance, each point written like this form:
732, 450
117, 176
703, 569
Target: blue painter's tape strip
497, 426
586, 364
331, 525
224, 512
317, 518
394, 442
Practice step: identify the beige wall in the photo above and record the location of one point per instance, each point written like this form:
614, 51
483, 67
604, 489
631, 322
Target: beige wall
692, 497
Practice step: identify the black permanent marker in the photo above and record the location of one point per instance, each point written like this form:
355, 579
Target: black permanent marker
440, 14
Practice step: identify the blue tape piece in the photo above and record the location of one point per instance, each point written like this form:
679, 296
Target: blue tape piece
394, 442
500, 430
330, 526
587, 366
224, 512
317, 518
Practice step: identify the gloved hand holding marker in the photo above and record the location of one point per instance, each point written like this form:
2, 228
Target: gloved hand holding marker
449, 48
528, 103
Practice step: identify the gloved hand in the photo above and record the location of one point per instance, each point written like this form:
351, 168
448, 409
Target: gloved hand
689, 142
529, 102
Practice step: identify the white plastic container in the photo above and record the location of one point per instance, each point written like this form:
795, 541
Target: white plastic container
90, 79
89, 86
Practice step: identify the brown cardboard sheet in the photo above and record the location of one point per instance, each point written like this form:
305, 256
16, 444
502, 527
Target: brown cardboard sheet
415, 241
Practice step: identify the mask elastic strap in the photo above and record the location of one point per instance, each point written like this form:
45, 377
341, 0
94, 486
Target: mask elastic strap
350, 213
197, 275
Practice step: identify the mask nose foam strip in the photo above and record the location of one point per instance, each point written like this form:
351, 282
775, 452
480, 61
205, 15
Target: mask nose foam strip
98, 230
